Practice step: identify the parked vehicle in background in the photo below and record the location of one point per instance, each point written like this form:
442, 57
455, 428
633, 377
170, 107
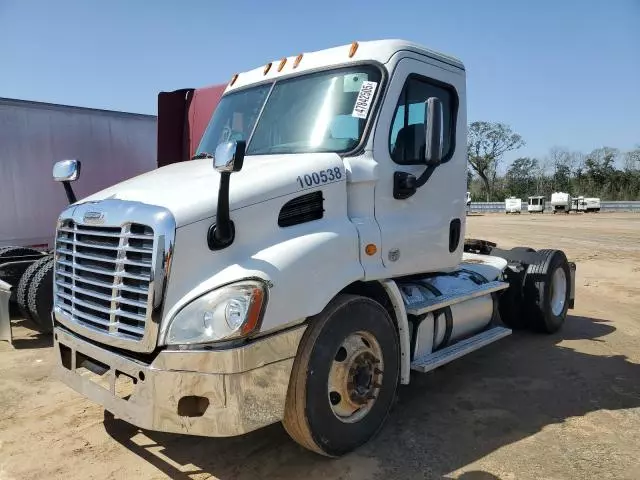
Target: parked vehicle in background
536, 204
591, 204
468, 199
513, 205
561, 202
578, 205
114, 146
214, 301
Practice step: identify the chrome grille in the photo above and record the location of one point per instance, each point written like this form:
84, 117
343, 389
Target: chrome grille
103, 277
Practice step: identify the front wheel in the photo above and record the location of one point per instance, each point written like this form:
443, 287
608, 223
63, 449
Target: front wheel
344, 377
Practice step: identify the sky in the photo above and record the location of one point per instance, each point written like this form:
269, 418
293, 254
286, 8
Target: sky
560, 73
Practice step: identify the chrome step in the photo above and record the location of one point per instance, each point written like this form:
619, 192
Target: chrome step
457, 350
435, 303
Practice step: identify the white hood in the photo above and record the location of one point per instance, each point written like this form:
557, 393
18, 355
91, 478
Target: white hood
190, 189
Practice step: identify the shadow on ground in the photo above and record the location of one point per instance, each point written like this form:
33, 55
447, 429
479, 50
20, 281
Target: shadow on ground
442, 422
33, 338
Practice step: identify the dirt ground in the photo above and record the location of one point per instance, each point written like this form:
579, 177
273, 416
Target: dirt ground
565, 406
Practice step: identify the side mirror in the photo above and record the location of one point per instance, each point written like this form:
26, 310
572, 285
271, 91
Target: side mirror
229, 156
227, 159
433, 131
66, 170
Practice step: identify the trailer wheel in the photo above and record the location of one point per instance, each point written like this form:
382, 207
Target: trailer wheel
6, 252
23, 286
40, 297
547, 287
344, 377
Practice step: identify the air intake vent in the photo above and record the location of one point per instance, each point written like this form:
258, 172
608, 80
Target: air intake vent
302, 209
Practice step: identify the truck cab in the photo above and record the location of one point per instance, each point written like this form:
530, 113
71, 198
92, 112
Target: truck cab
310, 256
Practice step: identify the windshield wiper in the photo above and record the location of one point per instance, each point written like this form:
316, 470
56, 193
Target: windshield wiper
202, 155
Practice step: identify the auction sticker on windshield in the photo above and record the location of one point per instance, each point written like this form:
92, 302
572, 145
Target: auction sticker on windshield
363, 102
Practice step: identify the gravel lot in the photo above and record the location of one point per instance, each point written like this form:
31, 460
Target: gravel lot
565, 406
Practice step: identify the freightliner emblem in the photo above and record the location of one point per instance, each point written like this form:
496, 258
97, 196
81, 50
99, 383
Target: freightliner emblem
93, 217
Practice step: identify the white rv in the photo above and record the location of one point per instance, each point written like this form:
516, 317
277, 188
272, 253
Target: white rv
513, 205
536, 204
561, 202
591, 204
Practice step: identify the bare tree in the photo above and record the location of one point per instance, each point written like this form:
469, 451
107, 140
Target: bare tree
486, 144
632, 160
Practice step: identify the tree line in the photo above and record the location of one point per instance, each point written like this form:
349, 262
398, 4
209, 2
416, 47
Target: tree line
606, 172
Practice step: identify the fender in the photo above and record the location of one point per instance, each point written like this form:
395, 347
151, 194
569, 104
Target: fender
403, 328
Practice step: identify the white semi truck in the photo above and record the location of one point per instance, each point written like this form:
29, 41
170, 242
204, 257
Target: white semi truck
309, 258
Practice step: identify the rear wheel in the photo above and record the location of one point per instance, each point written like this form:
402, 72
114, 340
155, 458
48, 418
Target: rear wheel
40, 296
523, 249
23, 286
344, 377
547, 288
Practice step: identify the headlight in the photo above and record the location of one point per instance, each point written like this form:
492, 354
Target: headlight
229, 312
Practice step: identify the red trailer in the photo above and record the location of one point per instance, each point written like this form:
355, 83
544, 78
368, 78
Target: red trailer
183, 116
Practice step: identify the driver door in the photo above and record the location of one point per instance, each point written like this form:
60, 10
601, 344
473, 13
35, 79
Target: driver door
425, 232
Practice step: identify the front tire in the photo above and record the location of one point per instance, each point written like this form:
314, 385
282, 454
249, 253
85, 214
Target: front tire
344, 377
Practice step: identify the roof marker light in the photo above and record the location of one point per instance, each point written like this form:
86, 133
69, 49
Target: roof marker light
267, 67
352, 50
282, 63
297, 61
233, 79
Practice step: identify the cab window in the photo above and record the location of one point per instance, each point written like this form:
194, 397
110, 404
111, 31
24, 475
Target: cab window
407, 136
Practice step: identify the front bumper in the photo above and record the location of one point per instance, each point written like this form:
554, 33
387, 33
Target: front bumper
217, 393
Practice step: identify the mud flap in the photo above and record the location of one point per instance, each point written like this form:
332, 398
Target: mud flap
572, 293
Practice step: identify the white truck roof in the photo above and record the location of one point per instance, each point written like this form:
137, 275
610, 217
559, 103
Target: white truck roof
375, 50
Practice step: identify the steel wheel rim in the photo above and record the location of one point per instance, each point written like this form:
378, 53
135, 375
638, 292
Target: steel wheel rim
558, 291
355, 377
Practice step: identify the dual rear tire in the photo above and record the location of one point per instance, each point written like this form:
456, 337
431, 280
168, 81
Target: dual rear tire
34, 294
539, 299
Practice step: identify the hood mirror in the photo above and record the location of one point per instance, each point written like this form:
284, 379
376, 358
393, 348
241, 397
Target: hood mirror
229, 156
227, 159
67, 171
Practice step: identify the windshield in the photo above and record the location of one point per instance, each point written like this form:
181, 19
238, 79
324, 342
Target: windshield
319, 112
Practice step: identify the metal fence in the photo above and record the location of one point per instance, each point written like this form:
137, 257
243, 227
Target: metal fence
606, 206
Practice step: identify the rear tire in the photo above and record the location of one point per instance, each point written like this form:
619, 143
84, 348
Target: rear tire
340, 393
523, 249
40, 297
23, 286
547, 288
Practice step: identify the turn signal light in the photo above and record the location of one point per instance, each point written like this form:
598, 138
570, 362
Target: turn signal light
370, 249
